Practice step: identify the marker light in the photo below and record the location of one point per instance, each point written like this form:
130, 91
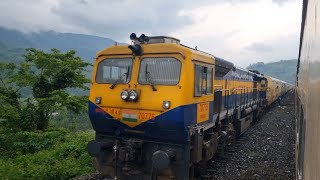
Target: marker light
166, 104
124, 95
133, 95
98, 100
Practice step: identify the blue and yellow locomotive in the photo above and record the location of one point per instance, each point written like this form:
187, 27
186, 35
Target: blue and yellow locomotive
160, 109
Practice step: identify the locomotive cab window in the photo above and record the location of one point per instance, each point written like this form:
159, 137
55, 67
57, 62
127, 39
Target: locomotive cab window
202, 80
159, 71
114, 70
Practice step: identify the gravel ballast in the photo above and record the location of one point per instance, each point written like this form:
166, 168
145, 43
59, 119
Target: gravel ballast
265, 151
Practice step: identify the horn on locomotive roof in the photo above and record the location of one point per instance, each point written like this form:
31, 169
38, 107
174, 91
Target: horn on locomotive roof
136, 48
133, 36
143, 38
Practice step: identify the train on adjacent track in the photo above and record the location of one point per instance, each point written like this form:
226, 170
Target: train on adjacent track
160, 109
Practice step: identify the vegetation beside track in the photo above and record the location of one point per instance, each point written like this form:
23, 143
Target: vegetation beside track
44, 135
56, 153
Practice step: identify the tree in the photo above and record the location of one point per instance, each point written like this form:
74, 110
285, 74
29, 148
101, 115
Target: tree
49, 76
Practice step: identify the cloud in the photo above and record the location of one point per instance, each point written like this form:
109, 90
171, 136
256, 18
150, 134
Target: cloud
112, 18
259, 47
239, 30
227, 30
280, 2
119, 18
32, 16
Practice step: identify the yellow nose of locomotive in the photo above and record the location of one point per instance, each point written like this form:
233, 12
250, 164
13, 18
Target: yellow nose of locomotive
136, 83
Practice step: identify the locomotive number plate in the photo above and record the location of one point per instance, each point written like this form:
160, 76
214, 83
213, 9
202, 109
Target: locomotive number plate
146, 115
113, 111
136, 115
132, 117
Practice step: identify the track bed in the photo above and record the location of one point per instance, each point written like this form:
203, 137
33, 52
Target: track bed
265, 151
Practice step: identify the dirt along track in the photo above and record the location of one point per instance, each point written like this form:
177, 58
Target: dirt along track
265, 151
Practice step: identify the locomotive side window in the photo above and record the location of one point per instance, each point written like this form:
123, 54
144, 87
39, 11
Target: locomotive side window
263, 83
111, 70
161, 71
202, 80
197, 80
209, 80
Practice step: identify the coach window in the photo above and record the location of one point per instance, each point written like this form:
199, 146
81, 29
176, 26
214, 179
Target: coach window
203, 80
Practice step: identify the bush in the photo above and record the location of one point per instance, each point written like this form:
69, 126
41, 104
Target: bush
72, 121
24, 142
62, 161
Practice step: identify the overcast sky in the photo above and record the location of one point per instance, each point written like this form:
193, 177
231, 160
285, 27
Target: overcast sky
242, 31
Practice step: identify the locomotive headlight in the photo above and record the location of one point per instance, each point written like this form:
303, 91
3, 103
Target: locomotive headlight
124, 95
133, 95
98, 100
166, 104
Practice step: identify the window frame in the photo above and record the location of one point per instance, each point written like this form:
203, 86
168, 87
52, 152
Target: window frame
194, 81
203, 66
207, 93
180, 70
130, 71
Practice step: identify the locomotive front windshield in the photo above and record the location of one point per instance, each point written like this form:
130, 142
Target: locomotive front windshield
161, 71
114, 70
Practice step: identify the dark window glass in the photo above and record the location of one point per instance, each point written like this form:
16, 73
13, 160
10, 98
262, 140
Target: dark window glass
209, 80
203, 80
197, 80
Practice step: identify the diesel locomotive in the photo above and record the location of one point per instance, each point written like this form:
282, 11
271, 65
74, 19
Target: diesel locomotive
161, 109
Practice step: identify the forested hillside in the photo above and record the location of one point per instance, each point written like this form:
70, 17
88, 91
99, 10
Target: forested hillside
13, 43
283, 69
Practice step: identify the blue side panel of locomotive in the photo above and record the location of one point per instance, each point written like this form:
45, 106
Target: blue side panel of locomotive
170, 126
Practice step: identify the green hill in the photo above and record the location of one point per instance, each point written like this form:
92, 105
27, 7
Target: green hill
13, 43
10, 54
283, 69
